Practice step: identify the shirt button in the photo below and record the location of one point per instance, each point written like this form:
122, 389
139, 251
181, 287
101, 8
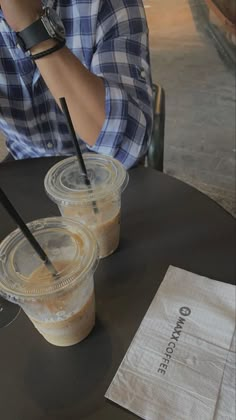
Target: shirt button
43, 117
50, 145
143, 74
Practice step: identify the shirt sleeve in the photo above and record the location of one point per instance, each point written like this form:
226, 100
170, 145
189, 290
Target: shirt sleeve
121, 58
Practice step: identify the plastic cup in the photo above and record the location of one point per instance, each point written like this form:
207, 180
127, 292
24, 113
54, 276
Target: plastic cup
98, 206
61, 307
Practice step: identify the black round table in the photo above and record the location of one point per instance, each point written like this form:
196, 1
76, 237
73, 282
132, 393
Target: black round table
164, 222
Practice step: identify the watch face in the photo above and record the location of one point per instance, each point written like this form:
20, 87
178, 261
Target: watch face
55, 22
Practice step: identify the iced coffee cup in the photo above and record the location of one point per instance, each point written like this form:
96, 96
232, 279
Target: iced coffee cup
61, 306
97, 205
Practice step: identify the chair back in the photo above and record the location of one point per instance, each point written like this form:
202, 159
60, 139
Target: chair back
155, 154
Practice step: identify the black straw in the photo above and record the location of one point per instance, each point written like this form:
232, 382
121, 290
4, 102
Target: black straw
26, 232
77, 148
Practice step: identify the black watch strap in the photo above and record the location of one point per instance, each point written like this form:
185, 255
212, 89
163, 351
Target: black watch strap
32, 35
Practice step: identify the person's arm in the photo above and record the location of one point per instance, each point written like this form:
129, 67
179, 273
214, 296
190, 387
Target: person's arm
120, 64
122, 59
64, 74
66, 77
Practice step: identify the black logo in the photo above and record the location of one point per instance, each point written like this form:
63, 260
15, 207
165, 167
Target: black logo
185, 311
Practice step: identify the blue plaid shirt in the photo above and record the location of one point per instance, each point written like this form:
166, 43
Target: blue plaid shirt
110, 37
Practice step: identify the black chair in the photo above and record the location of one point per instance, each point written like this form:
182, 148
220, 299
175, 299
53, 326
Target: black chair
155, 154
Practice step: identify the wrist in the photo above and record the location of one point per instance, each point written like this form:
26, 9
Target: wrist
45, 33
49, 51
43, 46
28, 20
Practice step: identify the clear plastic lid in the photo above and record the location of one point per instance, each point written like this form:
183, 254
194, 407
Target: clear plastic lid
65, 183
70, 246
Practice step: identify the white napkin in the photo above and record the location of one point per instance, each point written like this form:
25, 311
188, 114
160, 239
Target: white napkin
180, 362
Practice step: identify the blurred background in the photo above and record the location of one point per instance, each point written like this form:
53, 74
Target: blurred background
193, 56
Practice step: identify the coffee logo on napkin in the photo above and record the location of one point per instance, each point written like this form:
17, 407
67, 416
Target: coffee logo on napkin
184, 311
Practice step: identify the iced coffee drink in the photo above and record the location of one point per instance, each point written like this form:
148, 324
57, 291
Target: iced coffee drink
73, 327
98, 206
61, 306
105, 224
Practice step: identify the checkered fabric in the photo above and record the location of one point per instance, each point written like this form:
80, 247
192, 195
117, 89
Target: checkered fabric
110, 37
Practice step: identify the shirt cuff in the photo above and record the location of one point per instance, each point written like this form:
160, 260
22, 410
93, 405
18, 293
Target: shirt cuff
114, 126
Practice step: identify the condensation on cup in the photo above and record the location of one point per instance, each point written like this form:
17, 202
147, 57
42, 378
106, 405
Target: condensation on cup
98, 205
61, 307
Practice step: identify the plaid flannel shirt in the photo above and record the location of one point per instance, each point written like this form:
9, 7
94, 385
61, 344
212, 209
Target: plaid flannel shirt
110, 37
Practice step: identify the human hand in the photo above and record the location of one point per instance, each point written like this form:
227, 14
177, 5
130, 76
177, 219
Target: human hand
21, 13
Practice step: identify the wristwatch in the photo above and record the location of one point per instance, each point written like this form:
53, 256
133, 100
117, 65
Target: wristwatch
48, 26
